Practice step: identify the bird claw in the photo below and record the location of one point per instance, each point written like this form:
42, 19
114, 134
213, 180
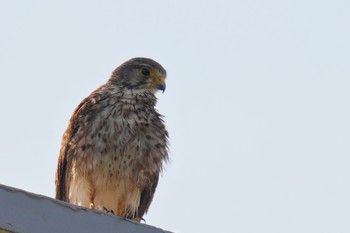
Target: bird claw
108, 211
103, 209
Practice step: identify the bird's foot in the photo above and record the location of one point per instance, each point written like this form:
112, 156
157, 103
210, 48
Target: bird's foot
108, 211
138, 219
101, 208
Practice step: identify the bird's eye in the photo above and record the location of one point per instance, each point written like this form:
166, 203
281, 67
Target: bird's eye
145, 71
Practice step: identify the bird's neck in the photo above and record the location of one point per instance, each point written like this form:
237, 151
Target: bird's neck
143, 97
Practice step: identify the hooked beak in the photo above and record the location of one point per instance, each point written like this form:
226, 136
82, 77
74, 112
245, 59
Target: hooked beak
159, 83
161, 87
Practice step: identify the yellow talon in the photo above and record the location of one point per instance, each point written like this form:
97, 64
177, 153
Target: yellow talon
137, 219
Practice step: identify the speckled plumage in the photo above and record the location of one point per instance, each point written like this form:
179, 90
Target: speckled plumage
116, 143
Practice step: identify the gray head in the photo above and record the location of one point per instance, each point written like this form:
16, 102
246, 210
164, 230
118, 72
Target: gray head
139, 74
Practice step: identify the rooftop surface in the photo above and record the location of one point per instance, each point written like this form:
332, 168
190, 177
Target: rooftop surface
25, 212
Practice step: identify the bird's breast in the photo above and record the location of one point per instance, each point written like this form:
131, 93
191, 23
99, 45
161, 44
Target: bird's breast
127, 141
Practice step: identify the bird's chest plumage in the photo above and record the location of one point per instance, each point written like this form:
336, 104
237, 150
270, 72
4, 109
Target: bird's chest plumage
125, 140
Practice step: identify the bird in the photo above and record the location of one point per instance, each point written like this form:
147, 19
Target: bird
116, 144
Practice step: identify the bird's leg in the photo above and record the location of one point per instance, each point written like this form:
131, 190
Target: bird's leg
120, 209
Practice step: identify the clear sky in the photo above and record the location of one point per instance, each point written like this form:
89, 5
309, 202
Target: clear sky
257, 103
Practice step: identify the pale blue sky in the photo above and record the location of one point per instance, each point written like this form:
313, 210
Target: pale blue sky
257, 103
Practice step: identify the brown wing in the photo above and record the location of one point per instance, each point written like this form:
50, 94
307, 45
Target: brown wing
147, 196
62, 179
83, 114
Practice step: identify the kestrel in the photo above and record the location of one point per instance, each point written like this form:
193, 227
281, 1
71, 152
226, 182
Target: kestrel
116, 143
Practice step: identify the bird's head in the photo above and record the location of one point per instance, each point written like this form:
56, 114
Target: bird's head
139, 74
